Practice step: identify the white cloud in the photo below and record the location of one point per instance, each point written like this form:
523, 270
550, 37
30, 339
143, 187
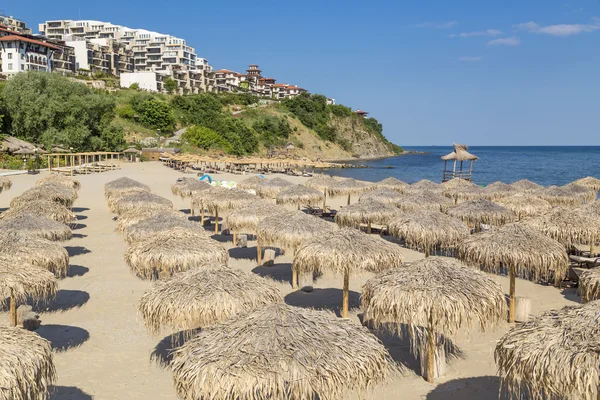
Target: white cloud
487, 32
469, 58
438, 25
560, 29
509, 41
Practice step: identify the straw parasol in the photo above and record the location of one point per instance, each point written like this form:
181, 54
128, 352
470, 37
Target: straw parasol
187, 187
126, 220
555, 355
123, 185
270, 188
589, 182
248, 217
589, 285
322, 183
347, 186
568, 226
5, 183
524, 204
523, 251
27, 370
60, 180
427, 230
299, 195
592, 208
367, 213
386, 196
497, 190
482, 211
458, 183
51, 191
250, 183
20, 280
280, 352
424, 184
139, 201
344, 252
424, 200
43, 208
460, 193
568, 195
221, 199
392, 184
159, 223
526, 186
174, 250
437, 294
38, 226
203, 297
37, 251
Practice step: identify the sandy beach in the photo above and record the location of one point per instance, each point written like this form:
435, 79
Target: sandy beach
103, 351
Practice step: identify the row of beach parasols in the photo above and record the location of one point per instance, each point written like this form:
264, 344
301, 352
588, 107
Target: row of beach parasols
30, 264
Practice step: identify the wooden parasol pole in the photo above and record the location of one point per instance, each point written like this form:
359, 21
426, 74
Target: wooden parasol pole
13, 310
192, 208
430, 350
234, 237
511, 302
258, 252
348, 198
369, 227
345, 294
324, 200
216, 220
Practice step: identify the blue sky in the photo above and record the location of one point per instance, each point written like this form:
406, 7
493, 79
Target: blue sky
482, 72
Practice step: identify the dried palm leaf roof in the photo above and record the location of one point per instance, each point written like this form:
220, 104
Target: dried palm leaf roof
138, 201
321, 182
123, 185
554, 355
185, 187
533, 255
391, 183
221, 199
566, 225
460, 153
424, 184
159, 223
589, 285
458, 182
426, 229
526, 186
435, 290
482, 211
44, 208
51, 191
270, 188
589, 182
290, 229
424, 200
21, 280
280, 352
347, 250
460, 193
126, 220
36, 225
524, 204
347, 186
249, 216
5, 183
299, 194
387, 196
27, 369
203, 297
568, 195
174, 250
366, 213
498, 190
592, 208
60, 180
250, 183
37, 251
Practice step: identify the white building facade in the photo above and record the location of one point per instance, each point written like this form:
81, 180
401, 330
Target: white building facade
21, 54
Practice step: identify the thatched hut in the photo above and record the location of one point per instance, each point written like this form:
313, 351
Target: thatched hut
123, 185
250, 183
482, 211
457, 183
392, 184
248, 217
568, 226
554, 355
589, 182
174, 250
424, 200
204, 296
5, 183
299, 195
60, 180
280, 352
126, 220
138, 201
321, 183
523, 251
526, 186
589, 285
35, 225
50, 191
386, 196
524, 204
348, 186
27, 371
270, 188
221, 199
19, 280
159, 223
436, 298
344, 252
570, 195
36, 251
367, 213
43, 208
459, 155
428, 230
498, 190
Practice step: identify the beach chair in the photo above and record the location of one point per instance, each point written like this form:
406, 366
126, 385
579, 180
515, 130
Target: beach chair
588, 262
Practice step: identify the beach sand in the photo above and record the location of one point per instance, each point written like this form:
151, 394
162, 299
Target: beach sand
103, 351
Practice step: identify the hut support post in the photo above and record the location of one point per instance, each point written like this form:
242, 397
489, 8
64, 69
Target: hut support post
258, 253
430, 350
325, 200
511, 302
202, 217
369, 227
13, 311
348, 198
192, 208
216, 220
234, 237
345, 294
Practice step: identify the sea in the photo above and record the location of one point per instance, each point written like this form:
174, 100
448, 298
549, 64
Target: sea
545, 165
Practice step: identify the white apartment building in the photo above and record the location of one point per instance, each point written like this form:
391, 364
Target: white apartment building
14, 24
20, 54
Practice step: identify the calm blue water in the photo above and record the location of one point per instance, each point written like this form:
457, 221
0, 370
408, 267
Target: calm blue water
544, 165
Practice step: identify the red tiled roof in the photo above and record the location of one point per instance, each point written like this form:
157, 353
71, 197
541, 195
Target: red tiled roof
360, 112
293, 88
4, 28
225, 71
283, 85
12, 38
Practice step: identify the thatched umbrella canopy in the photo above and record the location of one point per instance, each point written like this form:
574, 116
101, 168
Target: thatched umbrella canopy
428, 230
525, 252
221, 199
205, 296
347, 186
43, 208
425, 200
185, 187
568, 195
386, 196
460, 193
138, 201
592, 208
248, 217
174, 250
585, 193
27, 371
20, 280
37, 251
435, 297
482, 211
498, 190
280, 352
123, 185
392, 184
589, 182
322, 183
5, 183
159, 223
51, 191
568, 226
526, 186
35, 225
424, 184
344, 252
60, 180
250, 183
457, 183
589, 285
554, 355
367, 213
300, 195
524, 204
126, 220
270, 188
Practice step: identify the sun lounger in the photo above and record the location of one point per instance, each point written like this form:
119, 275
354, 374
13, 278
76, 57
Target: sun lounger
585, 261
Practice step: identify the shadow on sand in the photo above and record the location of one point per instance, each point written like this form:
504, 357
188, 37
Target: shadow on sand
68, 393
162, 354
77, 250
65, 300
278, 272
81, 217
249, 253
80, 209
477, 388
63, 337
323, 299
77, 270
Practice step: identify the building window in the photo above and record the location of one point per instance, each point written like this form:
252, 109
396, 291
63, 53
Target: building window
22, 56
10, 66
10, 56
9, 45
22, 67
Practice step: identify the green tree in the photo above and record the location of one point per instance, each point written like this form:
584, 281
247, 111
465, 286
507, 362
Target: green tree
206, 139
170, 85
157, 114
134, 86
